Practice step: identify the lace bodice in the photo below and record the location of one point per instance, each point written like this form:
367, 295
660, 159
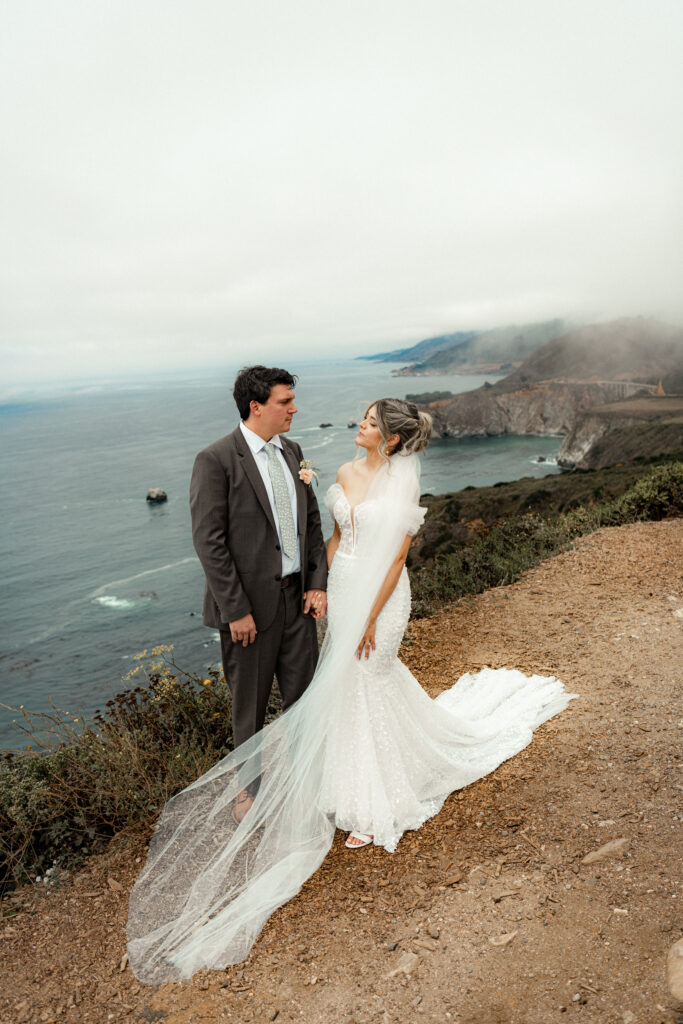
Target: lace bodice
359, 520
352, 521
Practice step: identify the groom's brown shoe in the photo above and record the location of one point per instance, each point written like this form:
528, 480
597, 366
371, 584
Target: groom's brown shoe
241, 806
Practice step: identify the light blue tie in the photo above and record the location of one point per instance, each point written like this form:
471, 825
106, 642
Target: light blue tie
282, 502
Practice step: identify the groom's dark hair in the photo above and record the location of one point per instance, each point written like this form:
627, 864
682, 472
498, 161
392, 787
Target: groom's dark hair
254, 384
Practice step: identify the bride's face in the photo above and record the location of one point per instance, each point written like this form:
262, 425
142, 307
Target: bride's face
369, 435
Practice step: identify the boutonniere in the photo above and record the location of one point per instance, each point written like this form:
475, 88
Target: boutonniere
307, 471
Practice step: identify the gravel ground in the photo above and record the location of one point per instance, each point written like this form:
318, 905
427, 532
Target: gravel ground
488, 914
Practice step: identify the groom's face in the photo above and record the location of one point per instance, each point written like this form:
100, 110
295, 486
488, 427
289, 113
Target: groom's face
276, 414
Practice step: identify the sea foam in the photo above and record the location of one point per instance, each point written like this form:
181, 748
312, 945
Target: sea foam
120, 603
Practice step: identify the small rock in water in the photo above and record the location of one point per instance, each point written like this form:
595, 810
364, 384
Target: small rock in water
155, 495
323, 425
675, 970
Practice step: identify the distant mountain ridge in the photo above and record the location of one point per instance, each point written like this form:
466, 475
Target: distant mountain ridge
423, 349
500, 348
631, 348
494, 348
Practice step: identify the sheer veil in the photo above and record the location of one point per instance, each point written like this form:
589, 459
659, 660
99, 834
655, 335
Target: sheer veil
209, 886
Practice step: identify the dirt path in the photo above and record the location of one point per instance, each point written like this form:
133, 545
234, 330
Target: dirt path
425, 934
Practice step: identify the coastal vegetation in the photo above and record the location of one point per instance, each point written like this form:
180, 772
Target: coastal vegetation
78, 783
459, 518
501, 553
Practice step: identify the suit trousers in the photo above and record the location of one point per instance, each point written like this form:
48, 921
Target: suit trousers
288, 649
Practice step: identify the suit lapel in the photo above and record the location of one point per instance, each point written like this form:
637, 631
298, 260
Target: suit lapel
254, 477
299, 485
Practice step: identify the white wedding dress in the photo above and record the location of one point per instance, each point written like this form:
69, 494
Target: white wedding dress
393, 754
363, 749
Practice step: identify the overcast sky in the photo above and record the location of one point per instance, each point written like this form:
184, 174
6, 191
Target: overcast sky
189, 184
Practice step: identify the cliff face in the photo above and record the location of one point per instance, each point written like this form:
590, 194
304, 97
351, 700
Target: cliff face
549, 408
576, 447
639, 428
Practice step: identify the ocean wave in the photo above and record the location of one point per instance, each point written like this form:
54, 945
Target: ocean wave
120, 603
323, 444
139, 575
543, 460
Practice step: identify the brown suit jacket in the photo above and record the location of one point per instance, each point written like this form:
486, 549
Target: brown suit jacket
234, 533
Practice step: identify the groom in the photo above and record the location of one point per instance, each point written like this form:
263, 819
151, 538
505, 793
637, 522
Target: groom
256, 529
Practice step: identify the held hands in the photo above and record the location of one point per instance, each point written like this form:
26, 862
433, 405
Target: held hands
243, 631
315, 602
367, 644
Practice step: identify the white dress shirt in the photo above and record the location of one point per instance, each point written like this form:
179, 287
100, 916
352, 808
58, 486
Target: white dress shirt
256, 445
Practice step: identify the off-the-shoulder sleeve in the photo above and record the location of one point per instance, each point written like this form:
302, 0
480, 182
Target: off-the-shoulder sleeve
330, 498
415, 517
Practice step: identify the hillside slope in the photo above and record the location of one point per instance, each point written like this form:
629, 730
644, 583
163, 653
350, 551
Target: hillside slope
492, 350
458, 518
423, 349
629, 349
487, 914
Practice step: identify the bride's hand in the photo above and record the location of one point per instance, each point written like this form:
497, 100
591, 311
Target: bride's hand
367, 644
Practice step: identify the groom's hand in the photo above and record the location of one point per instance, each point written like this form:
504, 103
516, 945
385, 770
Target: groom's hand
315, 602
243, 631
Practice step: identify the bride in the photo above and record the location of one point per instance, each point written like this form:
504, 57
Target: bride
364, 749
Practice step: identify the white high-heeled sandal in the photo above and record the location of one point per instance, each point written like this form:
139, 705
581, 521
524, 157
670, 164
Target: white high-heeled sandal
363, 840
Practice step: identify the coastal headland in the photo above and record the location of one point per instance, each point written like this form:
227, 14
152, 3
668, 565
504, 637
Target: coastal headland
490, 912
612, 391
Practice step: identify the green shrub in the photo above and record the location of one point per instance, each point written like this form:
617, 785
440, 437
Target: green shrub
516, 544
79, 783
453, 509
655, 496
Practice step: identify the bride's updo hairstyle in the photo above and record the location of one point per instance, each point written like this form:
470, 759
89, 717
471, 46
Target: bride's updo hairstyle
394, 416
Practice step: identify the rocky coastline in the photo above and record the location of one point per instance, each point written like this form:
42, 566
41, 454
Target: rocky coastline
545, 408
595, 430
599, 388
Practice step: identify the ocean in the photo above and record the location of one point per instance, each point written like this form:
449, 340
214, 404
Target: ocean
92, 574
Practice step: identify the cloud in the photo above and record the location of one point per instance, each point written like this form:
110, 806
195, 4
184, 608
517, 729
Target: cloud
180, 184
